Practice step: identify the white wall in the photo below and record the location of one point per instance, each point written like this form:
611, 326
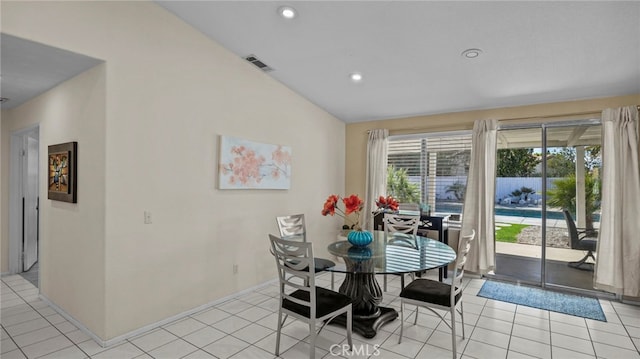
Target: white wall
71, 257
170, 92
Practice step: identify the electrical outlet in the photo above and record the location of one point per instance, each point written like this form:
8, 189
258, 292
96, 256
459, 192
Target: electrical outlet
235, 269
147, 217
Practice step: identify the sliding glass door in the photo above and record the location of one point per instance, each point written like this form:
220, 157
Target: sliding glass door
518, 209
547, 204
573, 164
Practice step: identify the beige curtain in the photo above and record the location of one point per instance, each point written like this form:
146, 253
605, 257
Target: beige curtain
376, 173
478, 200
617, 267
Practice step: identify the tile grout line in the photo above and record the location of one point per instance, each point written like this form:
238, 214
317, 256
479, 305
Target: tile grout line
255, 322
206, 326
511, 335
401, 323
474, 326
11, 336
48, 321
14, 342
250, 303
142, 350
396, 331
513, 324
250, 322
590, 337
434, 330
625, 329
550, 334
473, 330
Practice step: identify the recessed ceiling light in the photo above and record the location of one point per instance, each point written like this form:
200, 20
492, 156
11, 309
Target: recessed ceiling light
471, 53
355, 77
287, 12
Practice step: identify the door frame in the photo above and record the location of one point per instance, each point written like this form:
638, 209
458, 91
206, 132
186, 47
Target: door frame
543, 275
17, 165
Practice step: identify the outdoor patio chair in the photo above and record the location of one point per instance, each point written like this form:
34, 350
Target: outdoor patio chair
431, 294
581, 239
293, 227
299, 296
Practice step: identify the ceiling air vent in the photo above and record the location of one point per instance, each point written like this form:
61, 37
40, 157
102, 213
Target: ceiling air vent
261, 65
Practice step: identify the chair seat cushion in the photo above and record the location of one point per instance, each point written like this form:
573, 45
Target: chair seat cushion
322, 264
429, 291
319, 264
327, 301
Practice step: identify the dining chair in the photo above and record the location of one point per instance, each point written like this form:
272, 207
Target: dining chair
293, 227
304, 301
431, 294
400, 223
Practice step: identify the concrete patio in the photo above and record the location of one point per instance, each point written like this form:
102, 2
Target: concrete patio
534, 251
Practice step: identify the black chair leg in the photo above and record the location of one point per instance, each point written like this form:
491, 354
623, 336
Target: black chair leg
582, 264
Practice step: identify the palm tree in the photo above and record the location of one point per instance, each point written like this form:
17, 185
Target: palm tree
564, 196
398, 186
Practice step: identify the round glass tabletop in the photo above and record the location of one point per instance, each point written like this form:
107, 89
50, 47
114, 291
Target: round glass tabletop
393, 253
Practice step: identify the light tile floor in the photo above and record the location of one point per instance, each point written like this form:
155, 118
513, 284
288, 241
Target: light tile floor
245, 328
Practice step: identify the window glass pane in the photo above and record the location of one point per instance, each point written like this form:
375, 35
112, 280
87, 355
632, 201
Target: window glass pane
430, 170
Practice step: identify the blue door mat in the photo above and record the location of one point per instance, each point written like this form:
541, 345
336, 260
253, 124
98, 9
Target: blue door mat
571, 304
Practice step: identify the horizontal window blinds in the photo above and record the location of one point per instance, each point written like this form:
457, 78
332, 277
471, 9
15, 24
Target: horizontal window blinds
436, 166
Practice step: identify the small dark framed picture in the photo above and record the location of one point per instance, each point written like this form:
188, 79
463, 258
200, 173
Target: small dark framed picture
62, 171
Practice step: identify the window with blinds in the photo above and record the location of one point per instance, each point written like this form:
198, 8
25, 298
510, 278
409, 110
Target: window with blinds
429, 169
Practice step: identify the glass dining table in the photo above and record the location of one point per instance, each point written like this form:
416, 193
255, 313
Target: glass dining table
386, 254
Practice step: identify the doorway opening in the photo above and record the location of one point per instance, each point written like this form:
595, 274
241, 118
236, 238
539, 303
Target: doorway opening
24, 203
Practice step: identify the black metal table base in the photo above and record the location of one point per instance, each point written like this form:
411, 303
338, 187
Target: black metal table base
361, 286
368, 326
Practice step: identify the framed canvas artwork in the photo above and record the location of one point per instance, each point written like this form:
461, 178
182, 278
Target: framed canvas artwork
245, 164
62, 170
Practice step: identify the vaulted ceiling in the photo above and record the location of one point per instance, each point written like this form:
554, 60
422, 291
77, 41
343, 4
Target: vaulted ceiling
409, 53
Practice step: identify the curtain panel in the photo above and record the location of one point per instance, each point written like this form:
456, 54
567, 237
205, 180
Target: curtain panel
376, 183
617, 267
479, 197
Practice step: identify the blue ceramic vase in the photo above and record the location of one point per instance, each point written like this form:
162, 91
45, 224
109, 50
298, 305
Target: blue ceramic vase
359, 238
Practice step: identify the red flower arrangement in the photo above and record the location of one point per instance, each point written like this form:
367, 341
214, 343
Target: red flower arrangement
352, 205
388, 204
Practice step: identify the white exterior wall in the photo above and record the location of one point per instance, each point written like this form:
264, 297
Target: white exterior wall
504, 185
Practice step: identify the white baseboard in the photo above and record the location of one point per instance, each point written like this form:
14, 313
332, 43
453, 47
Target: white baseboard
71, 319
149, 327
